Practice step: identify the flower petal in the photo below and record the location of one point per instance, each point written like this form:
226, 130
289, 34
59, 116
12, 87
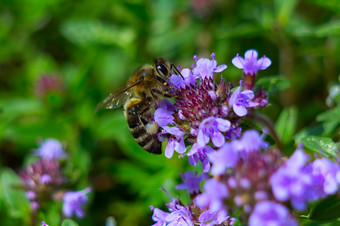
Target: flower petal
251, 54
240, 110
238, 62
263, 63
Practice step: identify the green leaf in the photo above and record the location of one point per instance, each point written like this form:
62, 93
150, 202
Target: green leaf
69, 222
285, 10
14, 197
286, 124
87, 32
273, 83
322, 145
330, 115
327, 209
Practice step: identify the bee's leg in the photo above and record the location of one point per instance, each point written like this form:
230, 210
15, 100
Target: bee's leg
156, 93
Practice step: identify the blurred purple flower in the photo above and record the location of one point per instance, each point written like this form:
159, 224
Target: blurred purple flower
293, 181
74, 201
226, 157
249, 63
43, 223
251, 141
213, 196
191, 181
239, 101
50, 149
45, 179
328, 170
205, 68
198, 152
209, 218
211, 128
269, 213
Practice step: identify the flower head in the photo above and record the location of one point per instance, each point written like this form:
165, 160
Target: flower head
205, 68
250, 64
51, 149
74, 201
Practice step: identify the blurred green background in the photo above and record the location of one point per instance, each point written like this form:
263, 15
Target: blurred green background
59, 58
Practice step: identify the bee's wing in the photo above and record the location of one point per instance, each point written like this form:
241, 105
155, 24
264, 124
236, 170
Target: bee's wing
118, 99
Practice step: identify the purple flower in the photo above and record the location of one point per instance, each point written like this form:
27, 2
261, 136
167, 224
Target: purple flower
74, 201
176, 142
294, 181
250, 64
205, 68
177, 82
159, 216
328, 170
269, 213
226, 157
163, 114
51, 149
198, 152
43, 223
213, 196
191, 181
209, 218
45, 179
239, 101
251, 141
211, 128
31, 195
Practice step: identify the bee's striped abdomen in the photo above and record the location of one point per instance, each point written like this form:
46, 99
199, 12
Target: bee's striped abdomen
143, 128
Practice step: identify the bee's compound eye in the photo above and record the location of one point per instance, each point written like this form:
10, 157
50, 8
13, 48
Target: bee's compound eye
162, 69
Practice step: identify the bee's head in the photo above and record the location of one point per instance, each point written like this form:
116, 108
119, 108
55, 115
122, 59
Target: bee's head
162, 68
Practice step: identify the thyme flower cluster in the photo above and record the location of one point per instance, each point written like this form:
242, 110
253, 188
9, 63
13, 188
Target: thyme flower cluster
241, 171
44, 179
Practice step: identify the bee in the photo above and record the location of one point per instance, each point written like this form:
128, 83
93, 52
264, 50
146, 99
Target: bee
144, 89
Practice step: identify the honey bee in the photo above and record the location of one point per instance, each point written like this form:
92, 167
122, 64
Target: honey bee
145, 87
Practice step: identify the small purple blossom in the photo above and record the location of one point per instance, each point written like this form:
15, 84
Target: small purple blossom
213, 196
179, 215
31, 195
209, 218
191, 181
240, 101
43, 223
74, 201
251, 141
198, 152
250, 64
176, 142
51, 149
159, 216
293, 181
226, 157
163, 114
328, 170
205, 68
211, 128
45, 179
269, 213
